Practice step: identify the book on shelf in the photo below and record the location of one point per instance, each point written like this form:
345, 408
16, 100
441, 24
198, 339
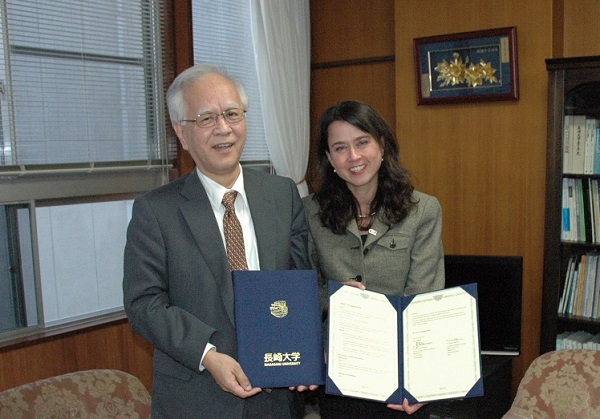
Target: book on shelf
567, 144
595, 195
580, 212
572, 290
596, 294
561, 339
594, 342
589, 287
593, 209
581, 145
580, 339
576, 214
597, 152
575, 211
590, 145
566, 211
569, 222
577, 138
569, 287
581, 286
565, 296
597, 149
586, 219
574, 340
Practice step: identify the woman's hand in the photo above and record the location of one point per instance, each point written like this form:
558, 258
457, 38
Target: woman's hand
356, 284
406, 407
311, 387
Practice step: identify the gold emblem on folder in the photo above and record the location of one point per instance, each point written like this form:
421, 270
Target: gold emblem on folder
279, 308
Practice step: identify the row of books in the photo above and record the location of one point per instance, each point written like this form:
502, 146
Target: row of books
581, 290
578, 340
580, 210
581, 145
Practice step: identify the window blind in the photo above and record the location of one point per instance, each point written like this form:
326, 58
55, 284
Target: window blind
83, 90
82, 129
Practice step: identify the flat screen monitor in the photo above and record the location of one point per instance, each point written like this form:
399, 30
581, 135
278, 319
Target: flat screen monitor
499, 284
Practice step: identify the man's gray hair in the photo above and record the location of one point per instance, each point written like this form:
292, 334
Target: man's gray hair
175, 102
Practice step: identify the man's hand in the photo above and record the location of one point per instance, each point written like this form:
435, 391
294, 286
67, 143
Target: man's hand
406, 407
228, 374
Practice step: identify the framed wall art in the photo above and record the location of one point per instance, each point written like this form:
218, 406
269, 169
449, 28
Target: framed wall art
467, 67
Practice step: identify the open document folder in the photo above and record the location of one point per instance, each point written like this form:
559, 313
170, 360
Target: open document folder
421, 347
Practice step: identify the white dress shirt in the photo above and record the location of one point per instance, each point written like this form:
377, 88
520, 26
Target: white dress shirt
215, 193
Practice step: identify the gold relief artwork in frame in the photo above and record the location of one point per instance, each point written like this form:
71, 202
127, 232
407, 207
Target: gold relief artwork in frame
467, 67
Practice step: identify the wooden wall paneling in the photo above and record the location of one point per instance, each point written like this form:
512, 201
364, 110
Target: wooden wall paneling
109, 346
32, 362
485, 162
352, 47
558, 25
184, 58
343, 30
138, 355
372, 83
100, 348
580, 31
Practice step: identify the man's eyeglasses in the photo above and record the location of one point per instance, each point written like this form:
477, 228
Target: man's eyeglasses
209, 119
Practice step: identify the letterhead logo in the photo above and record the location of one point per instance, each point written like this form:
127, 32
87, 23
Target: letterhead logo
279, 309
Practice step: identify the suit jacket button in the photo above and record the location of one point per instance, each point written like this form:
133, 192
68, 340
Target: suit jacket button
365, 252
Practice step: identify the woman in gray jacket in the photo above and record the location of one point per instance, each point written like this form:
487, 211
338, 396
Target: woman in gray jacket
369, 227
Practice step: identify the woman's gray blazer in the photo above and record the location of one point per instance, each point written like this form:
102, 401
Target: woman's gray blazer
401, 259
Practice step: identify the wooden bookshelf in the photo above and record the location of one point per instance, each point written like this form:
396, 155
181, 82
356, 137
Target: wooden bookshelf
573, 89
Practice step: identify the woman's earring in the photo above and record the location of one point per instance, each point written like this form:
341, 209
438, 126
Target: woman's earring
334, 171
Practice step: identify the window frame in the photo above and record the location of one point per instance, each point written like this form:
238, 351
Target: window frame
55, 184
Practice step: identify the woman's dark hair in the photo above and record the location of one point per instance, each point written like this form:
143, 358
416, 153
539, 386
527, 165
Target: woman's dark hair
394, 188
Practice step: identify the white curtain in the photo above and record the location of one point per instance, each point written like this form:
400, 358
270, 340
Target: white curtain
281, 35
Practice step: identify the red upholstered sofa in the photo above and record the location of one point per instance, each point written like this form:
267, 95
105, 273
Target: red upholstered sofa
100, 393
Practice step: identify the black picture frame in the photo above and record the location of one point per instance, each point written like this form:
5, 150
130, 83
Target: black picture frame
467, 67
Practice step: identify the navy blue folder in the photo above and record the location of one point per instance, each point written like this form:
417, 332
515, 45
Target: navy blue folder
397, 397
278, 326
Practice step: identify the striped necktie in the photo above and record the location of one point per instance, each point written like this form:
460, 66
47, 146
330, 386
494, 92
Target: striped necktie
234, 238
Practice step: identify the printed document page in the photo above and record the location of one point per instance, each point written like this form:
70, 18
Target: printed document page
441, 345
437, 357
363, 344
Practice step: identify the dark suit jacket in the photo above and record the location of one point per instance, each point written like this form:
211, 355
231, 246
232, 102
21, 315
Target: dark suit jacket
177, 284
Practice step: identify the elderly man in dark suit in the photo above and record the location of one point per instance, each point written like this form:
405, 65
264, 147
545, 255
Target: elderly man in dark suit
177, 279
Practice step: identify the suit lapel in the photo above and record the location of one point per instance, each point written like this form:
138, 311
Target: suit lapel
198, 214
377, 230
263, 213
